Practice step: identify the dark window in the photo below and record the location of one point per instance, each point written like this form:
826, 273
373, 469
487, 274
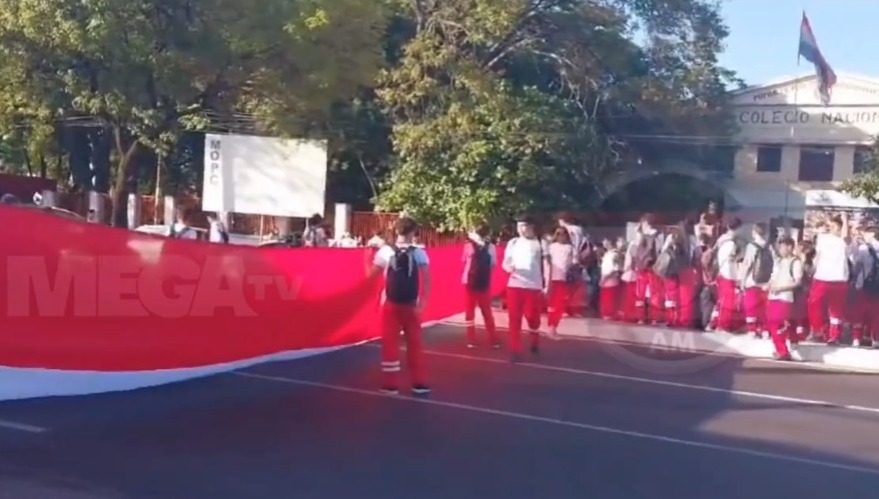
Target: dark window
816, 164
769, 159
863, 159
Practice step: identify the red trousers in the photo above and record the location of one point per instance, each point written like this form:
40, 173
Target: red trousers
628, 298
609, 301
649, 296
394, 319
523, 303
866, 316
727, 304
671, 300
778, 321
481, 300
830, 297
688, 297
754, 303
560, 293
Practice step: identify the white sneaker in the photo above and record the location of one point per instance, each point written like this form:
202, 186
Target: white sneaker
856, 343
796, 355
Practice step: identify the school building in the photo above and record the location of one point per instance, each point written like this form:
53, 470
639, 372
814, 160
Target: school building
794, 150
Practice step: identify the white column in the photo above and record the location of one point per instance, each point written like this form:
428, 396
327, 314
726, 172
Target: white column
134, 204
342, 220
170, 213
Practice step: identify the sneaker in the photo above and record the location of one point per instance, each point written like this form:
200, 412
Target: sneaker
496, 345
535, 349
856, 343
421, 390
471, 346
515, 358
785, 358
390, 390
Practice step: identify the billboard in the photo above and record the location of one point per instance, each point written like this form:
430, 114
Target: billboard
264, 175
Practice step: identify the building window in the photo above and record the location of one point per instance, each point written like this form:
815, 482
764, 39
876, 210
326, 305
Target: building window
816, 163
863, 159
769, 159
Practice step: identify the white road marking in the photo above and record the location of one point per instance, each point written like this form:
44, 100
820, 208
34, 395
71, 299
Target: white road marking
659, 382
570, 424
12, 425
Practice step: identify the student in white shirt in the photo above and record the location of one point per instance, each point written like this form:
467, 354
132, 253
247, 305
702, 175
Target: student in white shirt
829, 291
480, 259
629, 293
650, 295
526, 259
610, 285
562, 259
217, 232
754, 299
866, 266
728, 247
181, 228
787, 276
407, 287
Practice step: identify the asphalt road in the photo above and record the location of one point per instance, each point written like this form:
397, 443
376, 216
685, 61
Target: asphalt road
583, 419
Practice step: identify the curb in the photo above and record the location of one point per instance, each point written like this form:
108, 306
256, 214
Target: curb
738, 345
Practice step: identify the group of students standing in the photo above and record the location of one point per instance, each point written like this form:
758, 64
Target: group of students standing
709, 275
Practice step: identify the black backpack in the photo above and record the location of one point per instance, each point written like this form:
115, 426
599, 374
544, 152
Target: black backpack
871, 279
479, 273
402, 277
761, 268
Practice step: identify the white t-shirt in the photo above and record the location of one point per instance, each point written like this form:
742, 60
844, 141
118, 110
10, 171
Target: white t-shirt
523, 259
831, 258
384, 255
786, 272
561, 259
182, 231
215, 235
375, 242
610, 269
864, 261
727, 266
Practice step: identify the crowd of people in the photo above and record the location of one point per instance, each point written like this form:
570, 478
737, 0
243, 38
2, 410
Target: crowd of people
713, 274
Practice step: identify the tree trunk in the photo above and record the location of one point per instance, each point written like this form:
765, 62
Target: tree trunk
124, 172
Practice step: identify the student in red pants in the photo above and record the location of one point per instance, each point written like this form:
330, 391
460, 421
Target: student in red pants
629, 295
830, 281
480, 258
726, 260
786, 278
644, 250
407, 288
564, 276
610, 285
526, 259
866, 318
755, 272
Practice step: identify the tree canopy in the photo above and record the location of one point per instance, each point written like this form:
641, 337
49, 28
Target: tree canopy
453, 110
866, 184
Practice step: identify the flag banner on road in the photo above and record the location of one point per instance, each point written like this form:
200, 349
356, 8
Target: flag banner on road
89, 309
809, 51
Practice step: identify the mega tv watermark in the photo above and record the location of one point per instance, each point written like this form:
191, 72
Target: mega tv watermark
124, 286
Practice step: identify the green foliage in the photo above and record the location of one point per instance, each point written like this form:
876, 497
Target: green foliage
502, 106
866, 184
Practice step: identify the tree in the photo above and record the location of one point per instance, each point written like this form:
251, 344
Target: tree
510, 105
137, 74
866, 184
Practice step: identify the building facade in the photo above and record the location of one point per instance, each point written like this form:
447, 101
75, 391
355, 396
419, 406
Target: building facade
792, 146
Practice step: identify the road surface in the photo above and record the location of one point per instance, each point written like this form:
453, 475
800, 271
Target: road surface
582, 419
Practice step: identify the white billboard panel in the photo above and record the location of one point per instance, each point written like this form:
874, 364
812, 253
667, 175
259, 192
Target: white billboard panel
264, 175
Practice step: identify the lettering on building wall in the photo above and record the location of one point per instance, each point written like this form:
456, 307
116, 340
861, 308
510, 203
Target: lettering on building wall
214, 156
795, 117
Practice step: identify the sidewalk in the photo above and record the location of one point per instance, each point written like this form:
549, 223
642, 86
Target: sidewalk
862, 359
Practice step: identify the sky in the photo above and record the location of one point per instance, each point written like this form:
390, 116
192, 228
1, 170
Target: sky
764, 34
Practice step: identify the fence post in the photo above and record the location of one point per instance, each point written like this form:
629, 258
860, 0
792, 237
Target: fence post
342, 220
50, 198
134, 202
170, 214
96, 204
